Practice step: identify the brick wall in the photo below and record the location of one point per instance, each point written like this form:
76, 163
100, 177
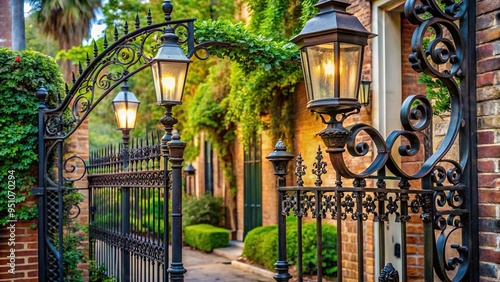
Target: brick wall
26, 233
488, 112
26, 252
5, 24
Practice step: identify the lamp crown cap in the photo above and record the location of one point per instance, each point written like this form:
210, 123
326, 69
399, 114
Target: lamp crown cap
280, 153
332, 5
332, 23
169, 35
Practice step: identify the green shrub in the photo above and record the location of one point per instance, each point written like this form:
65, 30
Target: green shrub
206, 237
204, 209
253, 243
21, 74
99, 273
261, 246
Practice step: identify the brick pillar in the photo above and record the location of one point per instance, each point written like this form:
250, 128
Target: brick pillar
488, 112
5, 24
22, 252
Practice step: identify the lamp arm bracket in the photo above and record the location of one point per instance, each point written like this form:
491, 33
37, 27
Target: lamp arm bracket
204, 46
128, 55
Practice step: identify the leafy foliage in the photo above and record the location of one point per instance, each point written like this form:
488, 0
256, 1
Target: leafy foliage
98, 273
205, 209
73, 255
206, 237
261, 246
19, 82
436, 92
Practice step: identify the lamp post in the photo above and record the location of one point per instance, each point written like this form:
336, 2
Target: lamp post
169, 69
125, 106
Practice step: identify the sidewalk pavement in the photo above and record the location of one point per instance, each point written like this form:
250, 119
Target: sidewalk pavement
222, 265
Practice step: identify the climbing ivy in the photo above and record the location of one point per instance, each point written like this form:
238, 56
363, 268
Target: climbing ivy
21, 74
253, 91
245, 86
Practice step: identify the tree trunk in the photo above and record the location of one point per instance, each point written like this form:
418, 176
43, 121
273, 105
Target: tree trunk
18, 36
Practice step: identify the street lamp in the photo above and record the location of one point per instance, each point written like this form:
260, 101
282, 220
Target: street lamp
169, 69
331, 47
125, 105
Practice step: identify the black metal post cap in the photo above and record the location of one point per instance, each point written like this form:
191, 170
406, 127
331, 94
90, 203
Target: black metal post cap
167, 7
42, 94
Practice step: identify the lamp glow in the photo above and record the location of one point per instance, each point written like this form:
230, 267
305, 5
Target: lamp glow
125, 105
169, 69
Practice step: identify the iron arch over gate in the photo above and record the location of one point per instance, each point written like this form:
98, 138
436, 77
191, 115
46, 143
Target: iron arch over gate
447, 200
126, 56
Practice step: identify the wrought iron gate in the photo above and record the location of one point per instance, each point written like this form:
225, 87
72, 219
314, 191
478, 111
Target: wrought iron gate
445, 201
128, 200
115, 188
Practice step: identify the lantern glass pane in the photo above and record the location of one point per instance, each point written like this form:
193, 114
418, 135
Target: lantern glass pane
350, 67
172, 78
156, 79
307, 74
125, 113
321, 67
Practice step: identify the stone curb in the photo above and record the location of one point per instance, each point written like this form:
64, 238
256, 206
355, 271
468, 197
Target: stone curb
251, 268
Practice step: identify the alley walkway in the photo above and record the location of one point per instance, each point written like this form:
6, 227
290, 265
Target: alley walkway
203, 267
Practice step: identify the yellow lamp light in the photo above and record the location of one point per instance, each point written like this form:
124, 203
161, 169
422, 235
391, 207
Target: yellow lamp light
125, 105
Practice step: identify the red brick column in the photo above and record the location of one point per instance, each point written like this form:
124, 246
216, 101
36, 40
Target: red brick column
23, 255
488, 112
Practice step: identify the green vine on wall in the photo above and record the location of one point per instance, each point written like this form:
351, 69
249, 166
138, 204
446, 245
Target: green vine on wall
21, 74
252, 92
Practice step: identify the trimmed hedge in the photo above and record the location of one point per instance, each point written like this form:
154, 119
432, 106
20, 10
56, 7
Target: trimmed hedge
206, 237
261, 246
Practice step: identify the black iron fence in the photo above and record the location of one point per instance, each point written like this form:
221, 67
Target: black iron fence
129, 223
439, 208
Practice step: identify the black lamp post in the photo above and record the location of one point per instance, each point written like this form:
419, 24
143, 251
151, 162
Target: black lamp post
331, 47
169, 68
125, 105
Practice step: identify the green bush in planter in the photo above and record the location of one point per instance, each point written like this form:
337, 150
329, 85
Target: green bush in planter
206, 237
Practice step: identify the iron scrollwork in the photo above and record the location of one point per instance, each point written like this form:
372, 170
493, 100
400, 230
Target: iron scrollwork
441, 202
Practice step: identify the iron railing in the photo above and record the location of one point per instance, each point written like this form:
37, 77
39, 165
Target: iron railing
129, 223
